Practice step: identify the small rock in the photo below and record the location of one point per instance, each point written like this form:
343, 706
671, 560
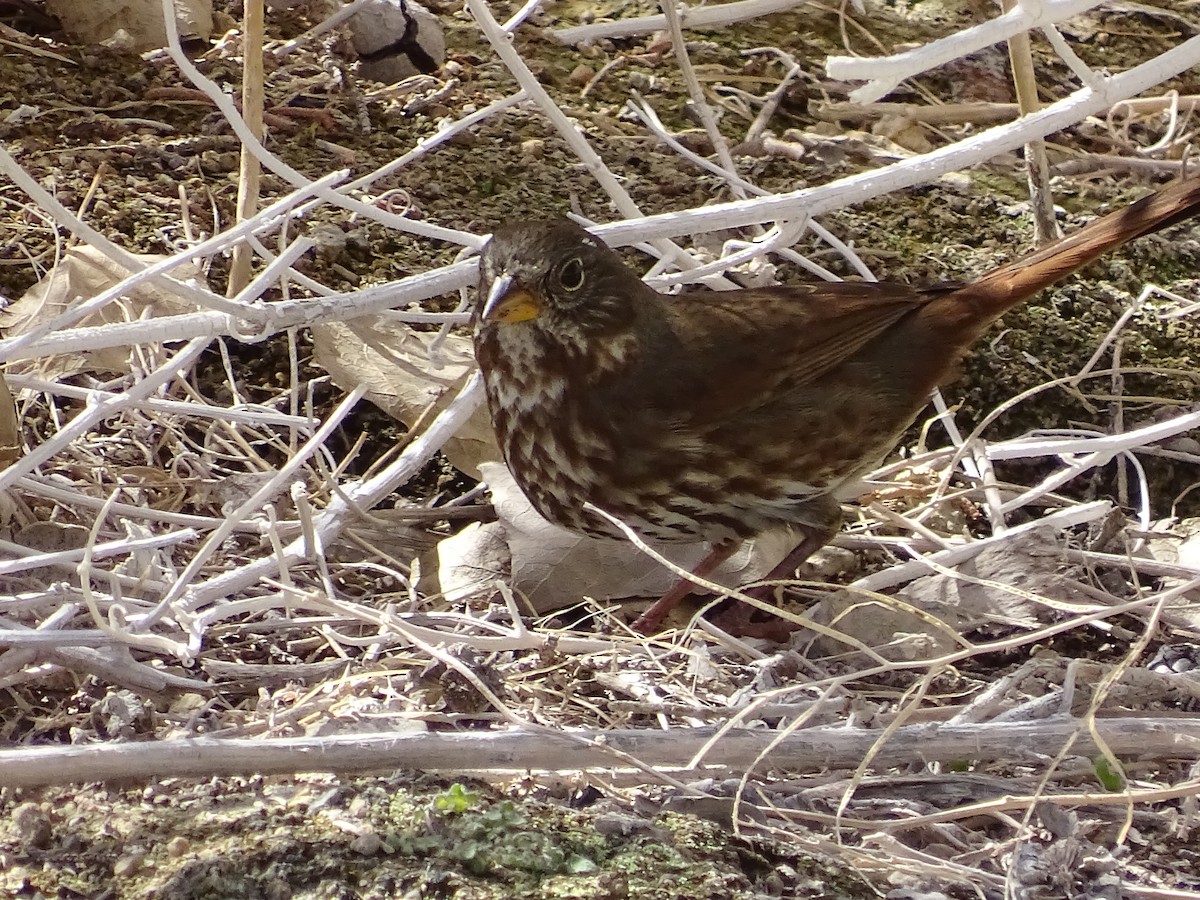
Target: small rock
397, 39
534, 148
581, 75
330, 240
905, 132
368, 844
1183, 444
642, 82
128, 864
32, 826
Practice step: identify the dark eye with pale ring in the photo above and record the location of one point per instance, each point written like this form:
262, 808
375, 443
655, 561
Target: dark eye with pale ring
570, 276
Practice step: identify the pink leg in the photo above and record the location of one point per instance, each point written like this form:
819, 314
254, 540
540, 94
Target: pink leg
787, 566
737, 620
821, 521
651, 620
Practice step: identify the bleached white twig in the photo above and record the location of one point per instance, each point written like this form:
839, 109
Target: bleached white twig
693, 17
905, 572
817, 201
273, 486
228, 311
885, 73
267, 320
330, 22
824, 747
100, 410
28, 559
341, 506
70, 495
1103, 446
249, 415
272, 163
568, 130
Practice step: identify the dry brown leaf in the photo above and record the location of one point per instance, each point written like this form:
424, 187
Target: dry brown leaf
394, 363
135, 25
52, 537
1179, 545
10, 429
1032, 562
82, 273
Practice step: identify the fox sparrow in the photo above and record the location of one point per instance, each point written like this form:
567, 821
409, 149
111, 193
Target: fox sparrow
715, 416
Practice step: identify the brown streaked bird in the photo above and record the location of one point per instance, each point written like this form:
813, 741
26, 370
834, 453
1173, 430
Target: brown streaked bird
714, 416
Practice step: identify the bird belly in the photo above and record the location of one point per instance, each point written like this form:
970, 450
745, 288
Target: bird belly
672, 479
562, 461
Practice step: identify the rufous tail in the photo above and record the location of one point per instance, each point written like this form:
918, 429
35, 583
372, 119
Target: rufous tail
969, 310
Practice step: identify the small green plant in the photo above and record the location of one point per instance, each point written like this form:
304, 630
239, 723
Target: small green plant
488, 838
1110, 777
455, 799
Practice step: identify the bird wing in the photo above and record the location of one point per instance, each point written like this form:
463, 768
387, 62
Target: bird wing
739, 355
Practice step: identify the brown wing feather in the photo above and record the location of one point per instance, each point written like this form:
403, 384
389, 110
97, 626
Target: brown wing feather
738, 355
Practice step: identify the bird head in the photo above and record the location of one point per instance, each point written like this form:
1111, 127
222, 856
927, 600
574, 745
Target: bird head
555, 278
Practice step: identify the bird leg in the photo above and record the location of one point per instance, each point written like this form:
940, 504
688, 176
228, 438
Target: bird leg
816, 535
738, 621
824, 516
651, 620
823, 519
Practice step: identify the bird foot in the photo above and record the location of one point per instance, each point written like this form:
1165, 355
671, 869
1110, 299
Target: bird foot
735, 617
741, 624
738, 620
651, 621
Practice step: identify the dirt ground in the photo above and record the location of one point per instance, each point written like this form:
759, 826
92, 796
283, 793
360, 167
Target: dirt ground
114, 137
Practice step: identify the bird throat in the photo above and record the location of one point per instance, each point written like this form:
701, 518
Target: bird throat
558, 450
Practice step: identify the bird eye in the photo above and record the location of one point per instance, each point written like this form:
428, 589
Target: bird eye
570, 276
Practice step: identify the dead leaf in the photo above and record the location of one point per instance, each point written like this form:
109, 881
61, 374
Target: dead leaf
84, 272
404, 374
1031, 563
1178, 542
10, 428
134, 25
52, 537
553, 568
467, 564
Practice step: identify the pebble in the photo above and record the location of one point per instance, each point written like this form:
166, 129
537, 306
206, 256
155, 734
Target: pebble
128, 864
368, 844
32, 826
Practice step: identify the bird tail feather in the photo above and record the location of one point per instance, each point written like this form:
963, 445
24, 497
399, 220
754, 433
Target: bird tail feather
973, 307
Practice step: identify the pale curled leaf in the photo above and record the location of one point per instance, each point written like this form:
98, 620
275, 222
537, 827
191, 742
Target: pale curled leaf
82, 273
134, 25
465, 565
1179, 544
998, 587
10, 427
553, 568
403, 377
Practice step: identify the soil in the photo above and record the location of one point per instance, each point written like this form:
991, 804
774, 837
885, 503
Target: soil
113, 136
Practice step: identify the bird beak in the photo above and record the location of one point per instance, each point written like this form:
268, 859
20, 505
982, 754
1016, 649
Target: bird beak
507, 304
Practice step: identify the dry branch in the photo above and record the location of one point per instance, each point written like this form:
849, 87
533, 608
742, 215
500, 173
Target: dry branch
1146, 740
